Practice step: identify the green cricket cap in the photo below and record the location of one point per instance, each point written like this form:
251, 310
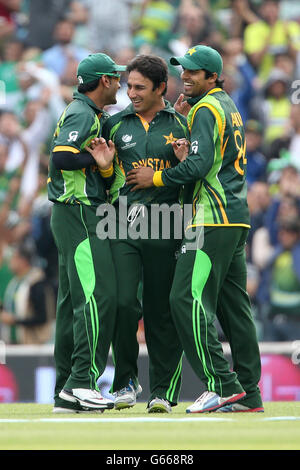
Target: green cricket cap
199, 58
95, 65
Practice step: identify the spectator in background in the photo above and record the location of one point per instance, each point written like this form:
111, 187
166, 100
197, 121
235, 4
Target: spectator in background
8, 17
29, 303
63, 54
25, 144
154, 26
9, 185
39, 84
288, 189
37, 124
109, 26
265, 238
195, 26
259, 200
10, 134
279, 293
242, 15
239, 76
43, 17
11, 55
276, 105
294, 143
12, 227
286, 148
256, 160
269, 36
284, 62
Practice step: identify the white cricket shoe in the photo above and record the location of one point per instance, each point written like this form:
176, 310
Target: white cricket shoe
211, 401
126, 397
91, 399
159, 405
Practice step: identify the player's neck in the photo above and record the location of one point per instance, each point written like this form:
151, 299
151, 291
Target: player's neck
150, 114
96, 99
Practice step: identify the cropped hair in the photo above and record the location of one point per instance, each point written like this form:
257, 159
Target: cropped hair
152, 67
85, 87
219, 83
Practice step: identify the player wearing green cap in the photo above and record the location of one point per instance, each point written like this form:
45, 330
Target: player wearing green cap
86, 305
210, 280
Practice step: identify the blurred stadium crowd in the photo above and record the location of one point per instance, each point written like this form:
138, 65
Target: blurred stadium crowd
41, 44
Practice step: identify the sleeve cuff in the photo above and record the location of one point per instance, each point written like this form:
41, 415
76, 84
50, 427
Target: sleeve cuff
157, 179
107, 173
65, 148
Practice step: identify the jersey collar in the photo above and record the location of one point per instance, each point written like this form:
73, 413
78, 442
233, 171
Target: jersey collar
195, 100
168, 109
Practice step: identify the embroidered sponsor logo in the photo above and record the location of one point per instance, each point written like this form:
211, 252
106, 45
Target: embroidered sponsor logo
73, 136
126, 138
194, 146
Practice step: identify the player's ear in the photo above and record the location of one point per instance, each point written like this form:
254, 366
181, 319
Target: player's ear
105, 81
161, 88
212, 79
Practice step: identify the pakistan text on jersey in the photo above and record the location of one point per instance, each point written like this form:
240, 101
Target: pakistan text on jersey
155, 163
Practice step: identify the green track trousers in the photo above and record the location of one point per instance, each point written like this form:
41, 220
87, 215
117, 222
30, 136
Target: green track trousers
86, 305
151, 261
210, 282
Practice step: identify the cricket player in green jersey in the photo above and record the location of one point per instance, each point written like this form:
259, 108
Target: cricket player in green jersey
210, 280
143, 134
86, 306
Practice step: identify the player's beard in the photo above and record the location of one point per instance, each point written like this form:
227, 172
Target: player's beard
188, 90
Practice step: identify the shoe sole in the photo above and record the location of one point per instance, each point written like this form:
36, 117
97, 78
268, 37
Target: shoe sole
227, 402
68, 397
61, 410
158, 409
122, 405
250, 410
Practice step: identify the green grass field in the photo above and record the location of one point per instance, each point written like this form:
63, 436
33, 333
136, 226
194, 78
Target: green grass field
35, 427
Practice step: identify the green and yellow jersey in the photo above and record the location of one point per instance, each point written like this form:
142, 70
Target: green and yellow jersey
216, 163
139, 143
80, 122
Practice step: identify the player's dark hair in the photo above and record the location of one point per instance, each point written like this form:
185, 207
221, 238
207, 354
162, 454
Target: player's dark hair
219, 83
85, 87
152, 67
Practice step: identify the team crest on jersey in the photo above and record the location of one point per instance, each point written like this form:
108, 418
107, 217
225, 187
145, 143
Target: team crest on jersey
170, 138
126, 138
73, 136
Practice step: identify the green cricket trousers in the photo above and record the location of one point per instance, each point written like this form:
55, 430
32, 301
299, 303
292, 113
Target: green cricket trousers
86, 304
151, 261
210, 282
